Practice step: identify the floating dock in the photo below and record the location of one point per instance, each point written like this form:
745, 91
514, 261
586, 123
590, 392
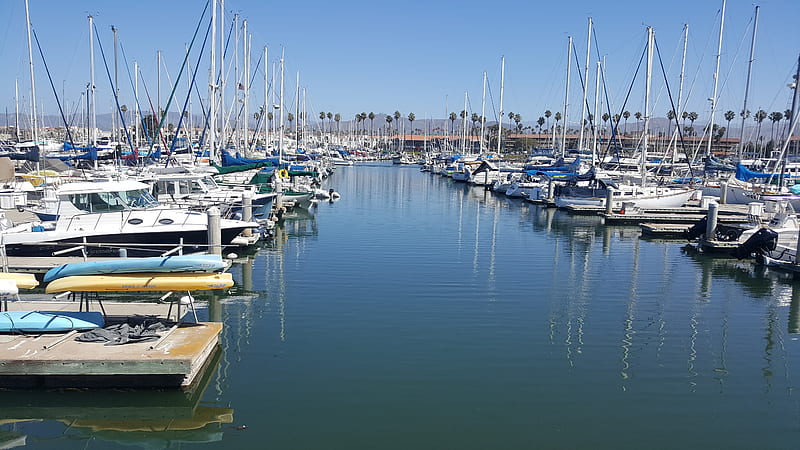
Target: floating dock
50, 360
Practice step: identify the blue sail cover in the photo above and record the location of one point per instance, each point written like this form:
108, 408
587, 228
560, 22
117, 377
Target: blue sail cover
555, 170
745, 174
238, 160
91, 155
32, 154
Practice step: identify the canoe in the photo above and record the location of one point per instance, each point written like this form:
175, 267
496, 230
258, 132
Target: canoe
177, 263
41, 321
23, 280
141, 282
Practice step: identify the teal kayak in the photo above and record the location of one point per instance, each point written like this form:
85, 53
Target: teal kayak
43, 321
177, 263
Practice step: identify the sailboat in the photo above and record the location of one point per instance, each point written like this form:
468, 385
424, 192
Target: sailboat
593, 190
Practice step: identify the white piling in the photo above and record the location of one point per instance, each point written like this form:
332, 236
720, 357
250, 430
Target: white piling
711, 223
609, 200
214, 231
247, 211
723, 193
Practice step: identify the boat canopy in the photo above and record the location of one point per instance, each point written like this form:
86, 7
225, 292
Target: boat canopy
745, 174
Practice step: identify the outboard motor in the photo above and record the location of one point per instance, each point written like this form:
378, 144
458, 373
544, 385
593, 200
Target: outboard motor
762, 241
696, 230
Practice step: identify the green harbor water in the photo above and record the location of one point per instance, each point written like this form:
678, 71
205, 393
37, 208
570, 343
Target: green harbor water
419, 313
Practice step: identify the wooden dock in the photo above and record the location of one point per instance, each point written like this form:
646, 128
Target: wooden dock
57, 360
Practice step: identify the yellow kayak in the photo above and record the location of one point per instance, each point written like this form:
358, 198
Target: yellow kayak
23, 280
141, 282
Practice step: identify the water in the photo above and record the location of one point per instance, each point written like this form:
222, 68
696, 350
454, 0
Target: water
417, 313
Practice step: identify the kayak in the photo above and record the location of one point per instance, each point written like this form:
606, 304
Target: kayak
177, 263
141, 282
42, 321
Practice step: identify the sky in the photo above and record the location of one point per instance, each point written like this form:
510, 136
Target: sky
416, 56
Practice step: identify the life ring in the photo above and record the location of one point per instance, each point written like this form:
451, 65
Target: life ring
283, 173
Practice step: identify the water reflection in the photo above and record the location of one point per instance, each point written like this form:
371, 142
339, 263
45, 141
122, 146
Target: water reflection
147, 419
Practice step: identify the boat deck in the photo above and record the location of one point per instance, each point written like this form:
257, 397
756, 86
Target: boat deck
58, 360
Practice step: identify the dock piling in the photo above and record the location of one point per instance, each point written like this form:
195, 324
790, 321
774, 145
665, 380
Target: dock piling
214, 231
711, 224
609, 200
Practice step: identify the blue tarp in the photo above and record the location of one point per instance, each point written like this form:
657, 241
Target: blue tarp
238, 160
745, 174
559, 167
91, 155
32, 153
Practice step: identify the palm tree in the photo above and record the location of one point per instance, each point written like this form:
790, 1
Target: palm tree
358, 120
558, 118
605, 118
547, 115
337, 117
389, 122
322, 119
397, 117
540, 122
411, 119
474, 118
671, 117
638, 116
452, 118
759, 117
626, 115
729, 115
692, 117
517, 119
290, 118
371, 117
775, 117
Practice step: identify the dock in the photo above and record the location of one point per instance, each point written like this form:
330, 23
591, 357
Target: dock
50, 360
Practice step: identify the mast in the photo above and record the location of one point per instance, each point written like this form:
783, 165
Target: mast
212, 71
136, 107
297, 109
500, 122
744, 113
483, 111
643, 162
116, 81
16, 108
91, 81
34, 132
716, 80
190, 127
265, 111
246, 85
566, 99
221, 88
679, 106
585, 84
158, 83
237, 130
464, 127
280, 120
596, 110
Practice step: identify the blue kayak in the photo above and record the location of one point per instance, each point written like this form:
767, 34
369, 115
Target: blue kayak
178, 263
42, 321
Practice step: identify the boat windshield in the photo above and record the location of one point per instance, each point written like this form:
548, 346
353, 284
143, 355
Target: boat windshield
113, 201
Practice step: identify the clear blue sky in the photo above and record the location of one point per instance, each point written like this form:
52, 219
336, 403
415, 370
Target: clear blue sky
421, 56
